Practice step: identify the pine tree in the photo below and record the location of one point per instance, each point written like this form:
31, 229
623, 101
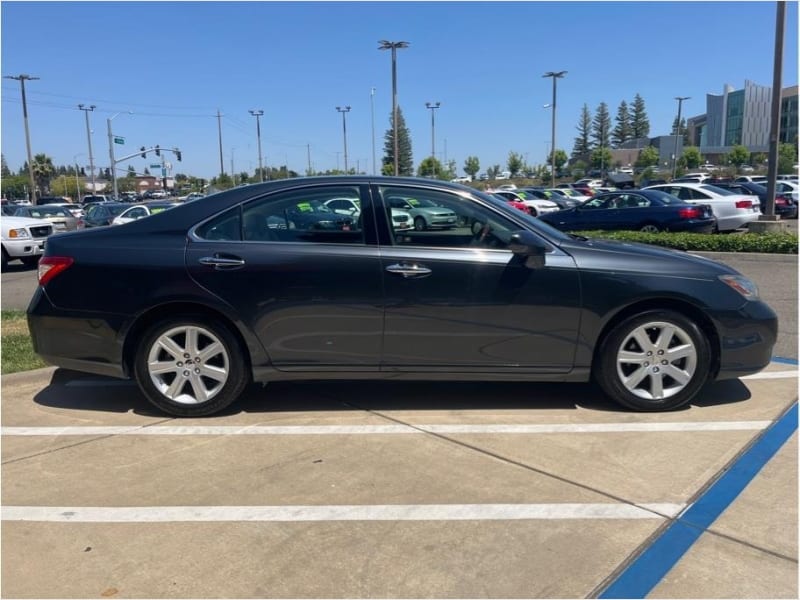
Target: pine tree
640, 124
405, 157
601, 127
682, 130
4, 170
581, 148
622, 131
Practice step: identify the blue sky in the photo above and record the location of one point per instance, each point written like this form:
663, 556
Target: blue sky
175, 63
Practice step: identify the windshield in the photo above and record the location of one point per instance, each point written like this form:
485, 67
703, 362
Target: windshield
717, 190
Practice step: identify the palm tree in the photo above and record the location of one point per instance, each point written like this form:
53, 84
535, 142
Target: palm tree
43, 171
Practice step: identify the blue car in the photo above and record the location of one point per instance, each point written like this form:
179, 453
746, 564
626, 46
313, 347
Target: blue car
639, 210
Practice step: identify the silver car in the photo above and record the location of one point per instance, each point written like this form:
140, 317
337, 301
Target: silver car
426, 214
61, 218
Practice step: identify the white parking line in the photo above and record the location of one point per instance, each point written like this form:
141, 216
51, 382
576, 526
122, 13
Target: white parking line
773, 375
385, 429
400, 512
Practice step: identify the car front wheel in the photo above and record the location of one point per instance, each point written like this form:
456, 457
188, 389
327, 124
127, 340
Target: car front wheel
657, 360
419, 224
191, 367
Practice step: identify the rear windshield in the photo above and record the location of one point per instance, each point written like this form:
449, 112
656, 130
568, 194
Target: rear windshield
717, 190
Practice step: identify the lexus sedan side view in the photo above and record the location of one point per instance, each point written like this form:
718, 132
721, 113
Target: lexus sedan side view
197, 301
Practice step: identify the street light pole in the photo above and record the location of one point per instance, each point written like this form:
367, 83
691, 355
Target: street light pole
680, 100
77, 171
86, 111
22, 78
344, 110
433, 106
372, 113
111, 152
393, 46
555, 75
257, 114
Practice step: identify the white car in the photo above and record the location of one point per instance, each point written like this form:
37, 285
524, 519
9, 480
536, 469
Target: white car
536, 206
75, 209
733, 211
401, 219
592, 183
23, 239
466, 179
762, 179
787, 188
139, 211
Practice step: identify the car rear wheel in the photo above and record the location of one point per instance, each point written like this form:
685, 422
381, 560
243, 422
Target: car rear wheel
533, 212
419, 224
650, 228
657, 360
191, 367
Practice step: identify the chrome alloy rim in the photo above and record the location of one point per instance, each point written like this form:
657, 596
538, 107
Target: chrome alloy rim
656, 360
188, 364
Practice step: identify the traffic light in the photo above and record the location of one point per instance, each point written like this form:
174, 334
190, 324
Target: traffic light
158, 150
178, 154
142, 150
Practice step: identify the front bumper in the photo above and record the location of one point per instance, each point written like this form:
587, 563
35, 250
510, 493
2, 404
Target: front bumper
746, 339
24, 247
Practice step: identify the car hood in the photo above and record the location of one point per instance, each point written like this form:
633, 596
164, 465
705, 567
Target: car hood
15, 222
632, 256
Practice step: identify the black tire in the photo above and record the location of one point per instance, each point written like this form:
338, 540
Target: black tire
30, 261
201, 372
419, 224
5, 259
631, 377
533, 212
650, 228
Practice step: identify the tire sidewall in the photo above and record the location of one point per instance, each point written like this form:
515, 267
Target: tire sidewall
238, 369
605, 370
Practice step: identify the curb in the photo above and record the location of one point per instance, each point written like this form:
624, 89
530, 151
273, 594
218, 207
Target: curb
24, 377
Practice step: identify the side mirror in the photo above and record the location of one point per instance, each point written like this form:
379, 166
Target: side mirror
530, 246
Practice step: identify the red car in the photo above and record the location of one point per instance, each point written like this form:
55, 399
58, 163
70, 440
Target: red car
518, 204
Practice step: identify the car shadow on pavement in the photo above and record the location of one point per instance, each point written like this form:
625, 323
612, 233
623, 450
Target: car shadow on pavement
72, 390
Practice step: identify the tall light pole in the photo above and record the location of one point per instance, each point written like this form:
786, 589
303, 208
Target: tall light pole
372, 113
257, 114
775, 115
433, 106
555, 75
393, 46
77, 171
22, 78
680, 100
344, 110
111, 151
86, 110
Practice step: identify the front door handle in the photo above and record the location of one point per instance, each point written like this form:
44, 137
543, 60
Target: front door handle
221, 263
409, 270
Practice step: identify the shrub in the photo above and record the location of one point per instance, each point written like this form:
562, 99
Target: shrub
771, 243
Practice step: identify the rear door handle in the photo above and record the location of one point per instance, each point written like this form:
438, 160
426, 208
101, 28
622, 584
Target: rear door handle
409, 271
221, 263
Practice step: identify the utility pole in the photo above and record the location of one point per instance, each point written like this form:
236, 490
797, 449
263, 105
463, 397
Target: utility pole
22, 78
308, 152
555, 75
372, 112
86, 111
111, 152
680, 100
433, 106
257, 114
393, 46
344, 110
219, 129
775, 113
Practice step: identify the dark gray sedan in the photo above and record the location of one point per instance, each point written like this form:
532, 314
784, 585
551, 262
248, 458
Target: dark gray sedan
197, 301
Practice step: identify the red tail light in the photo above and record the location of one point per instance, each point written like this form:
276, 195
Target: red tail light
782, 200
690, 213
744, 204
81, 224
50, 266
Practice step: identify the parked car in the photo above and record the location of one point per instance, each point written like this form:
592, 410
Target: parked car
788, 188
93, 198
194, 196
732, 211
102, 213
589, 182
427, 214
200, 310
465, 179
512, 200
60, 217
536, 201
139, 211
75, 209
23, 239
640, 210
746, 169
565, 197
751, 179
784, 206
8, 210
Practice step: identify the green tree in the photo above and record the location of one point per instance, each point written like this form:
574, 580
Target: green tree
622, 130
640, 124
43, 171
222, 182
787, 158
601, 127
578, 168
561, 159
739, 155
14, 186
471, 166
405, 157
692, 157
430, 167
492, 172
131, 174
581, 148
681, 130
514, 163
648, 157
4, 171
601, 158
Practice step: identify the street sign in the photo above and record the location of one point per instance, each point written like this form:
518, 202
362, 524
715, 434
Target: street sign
119, 140
156, 166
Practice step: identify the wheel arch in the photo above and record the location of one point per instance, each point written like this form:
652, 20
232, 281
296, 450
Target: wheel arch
681, 306
182, 309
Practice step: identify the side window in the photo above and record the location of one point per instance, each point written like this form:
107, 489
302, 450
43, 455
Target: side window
137, 213
224, 227
601, 202
305, 215
698, 195
428, 218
